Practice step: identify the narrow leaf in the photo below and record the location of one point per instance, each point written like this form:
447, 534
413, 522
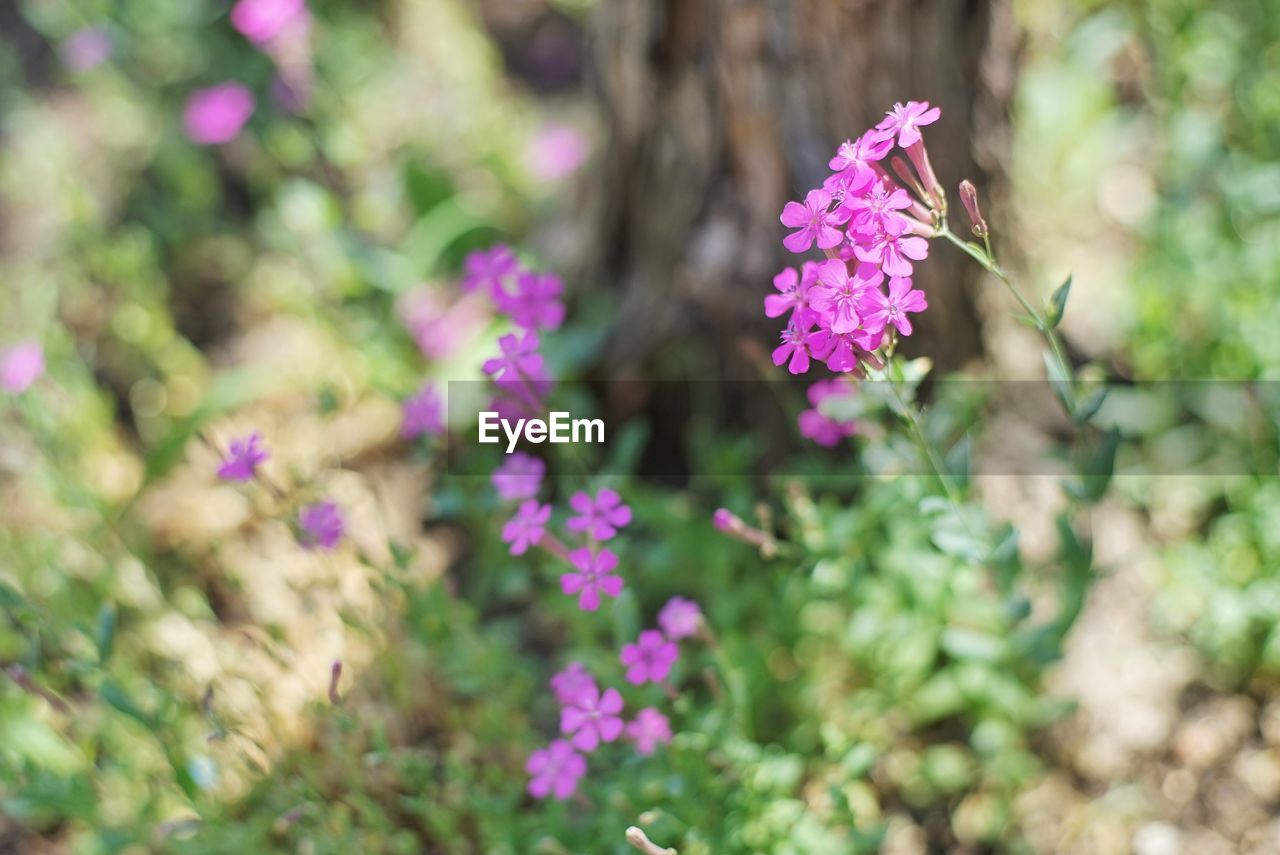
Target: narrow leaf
1058, 304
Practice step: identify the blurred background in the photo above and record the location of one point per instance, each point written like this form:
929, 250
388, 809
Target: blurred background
209, 230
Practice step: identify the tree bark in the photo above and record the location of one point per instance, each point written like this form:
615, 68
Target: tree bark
720, 111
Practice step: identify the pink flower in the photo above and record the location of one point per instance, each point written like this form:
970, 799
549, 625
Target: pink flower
892, 252
815, 223
87, 48
852, 163
489, 270
322, 526
681, 618
423, 414
648, 730
906, 120
20, 366
535, 304
793, 292
216, 115
439, 326
555, 770
600, 517
595, 576
823, 430
556, 152
799, 344
243, 459
519, 364
519, 477
570, 682
723, 520
876, 210
262, 20
592, 718
526, 528
893, 308
650, 658
838, 298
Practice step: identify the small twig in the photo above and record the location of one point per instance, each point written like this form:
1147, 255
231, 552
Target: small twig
20, 676
641, 841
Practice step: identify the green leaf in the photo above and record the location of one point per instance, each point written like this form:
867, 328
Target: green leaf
1060, 382
116, 696
1089, 406
1057, 304
106, 633
1098, 469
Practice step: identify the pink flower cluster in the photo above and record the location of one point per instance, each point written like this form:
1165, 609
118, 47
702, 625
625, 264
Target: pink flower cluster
590, 717
872, 229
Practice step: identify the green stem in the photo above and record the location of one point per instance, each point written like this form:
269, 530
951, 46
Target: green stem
988, 261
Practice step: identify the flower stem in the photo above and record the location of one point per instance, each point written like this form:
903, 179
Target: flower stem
987, 259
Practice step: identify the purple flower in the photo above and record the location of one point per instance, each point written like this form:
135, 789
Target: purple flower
905, 121
556, 151
800, 343
570, 682
423, 414
87, 48
243, 458
650, 658
648, 730
322, 526
852, 163
892, 252
815, 223
535, 304
850, 349
595, 575
519, 364
20, 366
262, 20
600, 517
489, 270
821, 429
838, 298
893, 308
526, 528
439, 327
876, 210
592, 717
794, 291
519, 477
555, 770
680, 618
216, 115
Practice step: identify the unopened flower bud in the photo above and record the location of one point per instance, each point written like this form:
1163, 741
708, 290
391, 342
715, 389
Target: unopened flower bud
969, 197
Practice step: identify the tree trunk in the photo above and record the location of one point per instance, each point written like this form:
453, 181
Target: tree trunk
720, 111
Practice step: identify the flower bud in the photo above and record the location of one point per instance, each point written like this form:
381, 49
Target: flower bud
969, 196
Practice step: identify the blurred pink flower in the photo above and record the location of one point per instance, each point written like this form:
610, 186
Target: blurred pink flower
423, 414
20, 366
567, 684
555, 770
527, 527
87, 48
821, 429
598, 517
217, 114
556, 151
243, 458
322, 526
262, 20
648, 730
519, 477
650, 658
592, 717
595, 576
439, 326
681, 617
